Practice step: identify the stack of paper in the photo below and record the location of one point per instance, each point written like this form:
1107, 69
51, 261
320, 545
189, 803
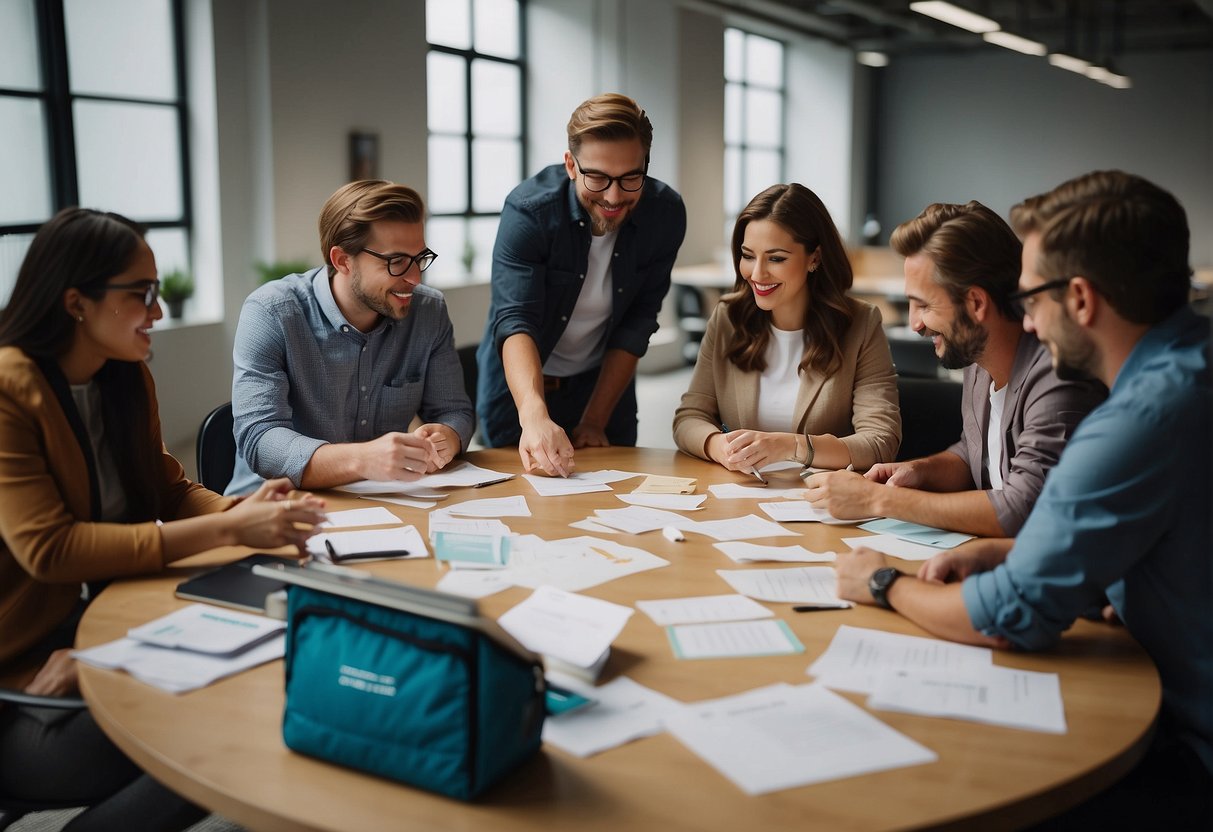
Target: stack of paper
570, 628
995, 695
623, 711
457, 474
858, 658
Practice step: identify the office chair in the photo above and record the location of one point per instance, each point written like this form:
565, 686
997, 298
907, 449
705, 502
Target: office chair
692, 319
913, 355
930, 415
216, 449
13, 809
471, 372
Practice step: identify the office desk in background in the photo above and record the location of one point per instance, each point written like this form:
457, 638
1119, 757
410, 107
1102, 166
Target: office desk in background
221, 746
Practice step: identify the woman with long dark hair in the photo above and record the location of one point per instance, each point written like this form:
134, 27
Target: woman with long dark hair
790, 367
88, 493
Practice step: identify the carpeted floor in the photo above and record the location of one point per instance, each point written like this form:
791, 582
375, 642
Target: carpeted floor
54, 821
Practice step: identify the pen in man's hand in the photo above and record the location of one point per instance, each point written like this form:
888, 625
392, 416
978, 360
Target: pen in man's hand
818, 607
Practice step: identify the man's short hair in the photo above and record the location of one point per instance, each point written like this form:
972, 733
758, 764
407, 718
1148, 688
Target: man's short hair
345, 219
1124, 234
970, 245
610, 117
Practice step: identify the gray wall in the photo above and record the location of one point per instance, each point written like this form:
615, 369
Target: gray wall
999, 127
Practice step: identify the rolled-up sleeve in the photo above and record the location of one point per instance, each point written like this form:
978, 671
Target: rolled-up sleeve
875, 416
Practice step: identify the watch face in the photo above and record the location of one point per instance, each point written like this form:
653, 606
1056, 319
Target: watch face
885, 576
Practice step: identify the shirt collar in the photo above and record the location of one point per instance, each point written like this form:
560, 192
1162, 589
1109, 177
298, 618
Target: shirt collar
1155, 339
323, 289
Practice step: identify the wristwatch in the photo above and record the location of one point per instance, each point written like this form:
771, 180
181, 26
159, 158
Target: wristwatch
879, 584
808, 456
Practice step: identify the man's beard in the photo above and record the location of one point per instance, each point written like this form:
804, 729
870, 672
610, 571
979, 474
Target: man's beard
603, 225
1075, 353
966, 343
380, 305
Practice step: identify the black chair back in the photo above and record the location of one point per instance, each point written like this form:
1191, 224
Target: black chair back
471, 371
216, 449
12, 809
913, 355
930, 415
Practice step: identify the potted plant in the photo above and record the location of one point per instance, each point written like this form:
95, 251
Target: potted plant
280, 268
176, 288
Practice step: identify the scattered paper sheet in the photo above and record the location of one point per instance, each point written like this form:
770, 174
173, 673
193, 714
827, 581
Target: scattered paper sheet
703, 609
744, 552
795, 511
607, 475
588, 525
457, 474
201, 628
672, 502
639, 519
573, 628
514, 506
400, 501
916, 532
731, 639
802, 585
563, 486
858, 657
377, 516
783, 736
894, 546
443, 522
740, 528
402, 538
736, 491
782, 465
654, 484
575, 563
177, 671
473, 583
624, 711
995, 695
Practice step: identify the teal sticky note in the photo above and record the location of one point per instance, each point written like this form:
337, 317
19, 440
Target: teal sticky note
490, 549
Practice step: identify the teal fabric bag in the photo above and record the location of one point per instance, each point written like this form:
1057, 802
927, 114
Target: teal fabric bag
435, 704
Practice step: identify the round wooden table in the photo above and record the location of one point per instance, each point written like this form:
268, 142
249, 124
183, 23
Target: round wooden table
221, 746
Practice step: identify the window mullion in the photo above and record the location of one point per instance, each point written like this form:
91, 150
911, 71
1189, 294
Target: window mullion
60, 127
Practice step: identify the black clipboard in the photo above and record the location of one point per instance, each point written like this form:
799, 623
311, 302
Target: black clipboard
234, 585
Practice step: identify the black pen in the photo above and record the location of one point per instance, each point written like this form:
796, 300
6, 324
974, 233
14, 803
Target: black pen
492, 482
818, 607
387, 553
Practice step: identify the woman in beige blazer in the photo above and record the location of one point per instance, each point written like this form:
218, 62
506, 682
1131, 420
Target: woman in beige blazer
790, 367
88, 493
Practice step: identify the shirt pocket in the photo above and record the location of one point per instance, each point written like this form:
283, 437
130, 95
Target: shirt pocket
399, 403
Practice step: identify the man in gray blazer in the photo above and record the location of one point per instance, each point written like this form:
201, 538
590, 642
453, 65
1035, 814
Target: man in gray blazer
333, 365
962, 264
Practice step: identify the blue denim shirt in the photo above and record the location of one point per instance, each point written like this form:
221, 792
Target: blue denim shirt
539, 264
1126, 511
305, 376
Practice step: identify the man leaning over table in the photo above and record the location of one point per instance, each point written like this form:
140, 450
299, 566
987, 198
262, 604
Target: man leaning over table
332, 366
580, 268
961, 266
1126, 511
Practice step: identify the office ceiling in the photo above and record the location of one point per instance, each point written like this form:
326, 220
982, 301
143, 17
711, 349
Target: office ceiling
1096, 29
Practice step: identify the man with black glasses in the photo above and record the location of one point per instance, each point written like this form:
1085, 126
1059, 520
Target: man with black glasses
580, 268
333, 365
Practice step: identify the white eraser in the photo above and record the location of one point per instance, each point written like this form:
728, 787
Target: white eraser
672, 534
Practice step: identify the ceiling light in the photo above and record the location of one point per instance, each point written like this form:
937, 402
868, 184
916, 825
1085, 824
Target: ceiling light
872, 58
1120, 82
1097, 73
1064, 61
1010, 41
955, 15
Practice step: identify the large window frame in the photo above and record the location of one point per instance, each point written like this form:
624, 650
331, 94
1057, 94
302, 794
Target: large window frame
475, 260
58, 102
739, 145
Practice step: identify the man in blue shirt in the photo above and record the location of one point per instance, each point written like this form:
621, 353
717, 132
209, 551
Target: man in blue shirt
580, 268
1126, 510
332, 366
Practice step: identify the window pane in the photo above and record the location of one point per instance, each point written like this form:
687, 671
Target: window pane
734, 68
12, 252
446, 23
446, 92
496, 98
496, 24
128, 159
482, 235
447, 175
764, 61
24, 168
19, 57
763, 118
732, 182
121, 47
762, 170
497, 166
733, 114
446, 236
171, 247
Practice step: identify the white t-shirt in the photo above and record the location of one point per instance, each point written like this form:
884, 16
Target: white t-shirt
998, 399
113, 497
583, 342
780, 381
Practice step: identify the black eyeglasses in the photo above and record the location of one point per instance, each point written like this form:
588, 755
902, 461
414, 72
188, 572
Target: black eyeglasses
149, 289
399, 264
1019, 299
597, 182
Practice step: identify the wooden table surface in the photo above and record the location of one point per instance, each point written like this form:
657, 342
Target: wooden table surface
221, 746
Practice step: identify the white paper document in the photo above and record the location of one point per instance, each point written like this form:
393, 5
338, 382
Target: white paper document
400, 539
474, 583
703, 609
783, 736
441, 521
588, 525
797, 511
816, 585
740, 528
574, 563
736, 491
608, 475
624, 711
733, 639
377, 516
564, 486
513, 506
640, 519
457, 474
177, 671
895, 546
744, 552
202, 628
573, 628
995, 695
857, 657
672, 502
400, 501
